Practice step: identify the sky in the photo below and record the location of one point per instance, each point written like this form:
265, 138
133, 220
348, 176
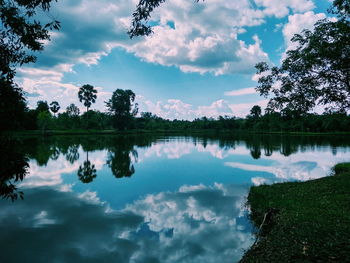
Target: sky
198, 62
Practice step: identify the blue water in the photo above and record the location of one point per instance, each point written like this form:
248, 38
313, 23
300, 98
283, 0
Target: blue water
176, 199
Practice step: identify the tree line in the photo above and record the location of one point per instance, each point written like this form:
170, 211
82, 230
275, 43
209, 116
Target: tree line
122, 115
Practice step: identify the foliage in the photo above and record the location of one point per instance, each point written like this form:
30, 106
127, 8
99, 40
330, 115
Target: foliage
12, 105
72, 110
44, 120
119, 157
317, 72
87, 95
87, 171
312, 225
42, 106
255, 112
122, 108
21, 33
54, 107
13, 168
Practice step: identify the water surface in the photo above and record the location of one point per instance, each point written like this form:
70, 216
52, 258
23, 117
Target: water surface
149, 198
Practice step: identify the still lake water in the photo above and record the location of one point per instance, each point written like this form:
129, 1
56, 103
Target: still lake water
150, 198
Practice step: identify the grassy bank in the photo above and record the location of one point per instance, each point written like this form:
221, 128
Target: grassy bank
306, 221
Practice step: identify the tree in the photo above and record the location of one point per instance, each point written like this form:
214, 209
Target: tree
13, 168
54, 107
87, 171
119, 157
72, 110
255, 111
87, 94
12, 105
21, 35
42, 106
122, 108
44, 120
317, 72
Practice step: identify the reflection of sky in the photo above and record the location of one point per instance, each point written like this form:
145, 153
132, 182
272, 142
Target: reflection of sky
194, 224
183, 204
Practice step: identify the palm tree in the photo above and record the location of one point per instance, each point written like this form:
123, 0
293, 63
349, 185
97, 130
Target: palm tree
87, 171
87, 93
54, 107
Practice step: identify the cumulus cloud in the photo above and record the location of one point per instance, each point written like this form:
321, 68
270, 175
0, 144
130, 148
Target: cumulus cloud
177, 109
297, 23
203, 38
282, 8
47, 84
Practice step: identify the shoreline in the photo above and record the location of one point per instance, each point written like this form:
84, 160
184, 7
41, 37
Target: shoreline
160, 131
302, 221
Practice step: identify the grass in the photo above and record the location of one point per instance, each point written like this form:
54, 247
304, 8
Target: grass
310, 221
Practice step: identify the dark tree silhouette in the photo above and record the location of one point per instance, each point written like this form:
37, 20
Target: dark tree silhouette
72, 154
87, 95
255, 111
13, 168
72, 110
317, 72
21, 35
54, 107
122, 108
42, 106
87, 171
120, 157
12, 105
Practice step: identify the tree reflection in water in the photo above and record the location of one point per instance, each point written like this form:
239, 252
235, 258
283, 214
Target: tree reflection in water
87, 171
122, 154
72, 154
13, 168
121, 157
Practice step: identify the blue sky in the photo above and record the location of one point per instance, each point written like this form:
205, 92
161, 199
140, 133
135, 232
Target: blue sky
199, 61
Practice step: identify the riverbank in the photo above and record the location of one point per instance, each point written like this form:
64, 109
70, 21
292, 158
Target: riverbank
305, 221
162, 131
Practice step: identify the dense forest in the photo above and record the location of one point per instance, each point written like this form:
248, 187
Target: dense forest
45, 117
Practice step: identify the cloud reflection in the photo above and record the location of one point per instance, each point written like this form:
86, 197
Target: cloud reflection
195, 224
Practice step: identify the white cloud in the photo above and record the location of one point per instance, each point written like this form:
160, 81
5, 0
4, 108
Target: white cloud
241, 92
243, 109
280, 9
177, 109
48, 85
204, 38
297, 23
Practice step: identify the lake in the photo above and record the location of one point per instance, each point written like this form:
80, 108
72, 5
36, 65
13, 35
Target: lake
146, 198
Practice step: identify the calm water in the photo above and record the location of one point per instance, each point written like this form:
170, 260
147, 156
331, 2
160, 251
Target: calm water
149, 199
